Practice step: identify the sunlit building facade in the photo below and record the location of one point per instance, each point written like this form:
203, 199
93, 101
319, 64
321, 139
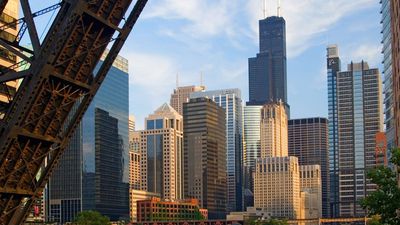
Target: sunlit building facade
274, 130
182, 95
277, 187
162, 152
311, 183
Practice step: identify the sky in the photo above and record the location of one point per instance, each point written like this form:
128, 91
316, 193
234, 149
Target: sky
216, 37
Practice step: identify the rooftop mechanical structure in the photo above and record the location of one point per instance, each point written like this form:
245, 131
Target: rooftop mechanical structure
55, 76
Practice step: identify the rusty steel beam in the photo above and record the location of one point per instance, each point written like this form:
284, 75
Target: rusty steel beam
40, 121
26, 9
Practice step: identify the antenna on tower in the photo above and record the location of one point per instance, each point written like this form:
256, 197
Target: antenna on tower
279, 8
265, 9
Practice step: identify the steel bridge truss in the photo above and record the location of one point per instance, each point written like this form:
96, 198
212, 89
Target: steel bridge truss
38, 121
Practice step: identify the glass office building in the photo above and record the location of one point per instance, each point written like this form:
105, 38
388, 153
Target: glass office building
387, 71
230, 100
267, 71
360, 118
94, 171
333, 67
252, 143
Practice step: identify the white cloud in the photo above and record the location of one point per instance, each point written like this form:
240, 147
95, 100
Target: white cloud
150, 69
204, 18
306, 20
370, 52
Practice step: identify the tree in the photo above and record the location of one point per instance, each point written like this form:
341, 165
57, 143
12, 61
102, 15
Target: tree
91, 218
385, 201
267, 222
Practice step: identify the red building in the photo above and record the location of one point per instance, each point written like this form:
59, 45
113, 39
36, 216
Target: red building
155, 209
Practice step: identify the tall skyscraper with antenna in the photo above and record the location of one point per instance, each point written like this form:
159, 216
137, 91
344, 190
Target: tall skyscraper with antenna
267, 71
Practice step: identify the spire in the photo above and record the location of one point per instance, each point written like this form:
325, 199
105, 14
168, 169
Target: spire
265, 9
279, 8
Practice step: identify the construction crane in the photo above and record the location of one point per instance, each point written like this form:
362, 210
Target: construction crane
38, 120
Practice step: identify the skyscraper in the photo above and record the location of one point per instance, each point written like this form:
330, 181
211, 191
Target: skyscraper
205, 155
387, 71
230, 100
395, 33
267, 71
93, 173
252, 148
359, 108
182, 95
274, 130
161, 153
333, 67
308, 140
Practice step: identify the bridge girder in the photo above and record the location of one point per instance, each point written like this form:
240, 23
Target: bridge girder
39, 121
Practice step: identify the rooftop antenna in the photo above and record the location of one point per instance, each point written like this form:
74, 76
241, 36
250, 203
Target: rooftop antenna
279, 8
265, 9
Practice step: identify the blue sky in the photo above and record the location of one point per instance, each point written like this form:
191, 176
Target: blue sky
216, 38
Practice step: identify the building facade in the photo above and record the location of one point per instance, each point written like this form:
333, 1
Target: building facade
134, 170
154, 209
395, 28
359, 107
134, 197
182, 95
387, 71
161, 153
252, 149
267, 71
93, 173
311, 183
308, 141
205, 155
277, 187
230, 100
274, 130
333, 67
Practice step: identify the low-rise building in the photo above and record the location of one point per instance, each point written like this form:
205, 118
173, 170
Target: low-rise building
252, 213
155, 209
138, 195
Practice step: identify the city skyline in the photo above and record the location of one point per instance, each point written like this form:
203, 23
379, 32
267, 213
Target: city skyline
164, 44
198, 149
222, 59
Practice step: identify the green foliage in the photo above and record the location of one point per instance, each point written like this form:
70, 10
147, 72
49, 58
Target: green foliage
385, 201
375, 220
267, 222
91, 218
199, 216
